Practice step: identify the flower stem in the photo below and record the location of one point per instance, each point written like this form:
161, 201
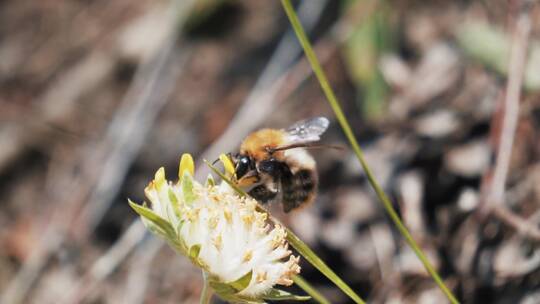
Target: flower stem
314, 260
207, 292
314, 293
321, 77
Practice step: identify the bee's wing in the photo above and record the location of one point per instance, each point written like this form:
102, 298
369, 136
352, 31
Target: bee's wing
308, 130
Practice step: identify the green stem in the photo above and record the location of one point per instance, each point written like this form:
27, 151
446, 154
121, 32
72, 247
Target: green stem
310, 290
321, 77
207, 292
314, 260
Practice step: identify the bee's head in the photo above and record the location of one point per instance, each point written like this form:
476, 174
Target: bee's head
243, 164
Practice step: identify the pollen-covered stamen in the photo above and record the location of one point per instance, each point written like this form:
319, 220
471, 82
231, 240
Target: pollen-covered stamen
261, 276
278, 238
248, 255
227, 215
214, 197
292, 269
192, 214
247, 219
261, 218
213, 222
218, 242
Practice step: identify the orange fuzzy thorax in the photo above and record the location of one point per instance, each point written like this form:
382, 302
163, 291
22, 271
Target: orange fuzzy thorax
256, 143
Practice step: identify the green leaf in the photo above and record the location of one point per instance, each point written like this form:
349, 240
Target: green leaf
187, 188
194, 251
231, 288
491, 46
179, 246
159, 178
371, 36
154, 228
282, 295
210, 181
193, 254
175, 203
222, 289
485, 43
154, 218
179, 226
243, 282
310, 290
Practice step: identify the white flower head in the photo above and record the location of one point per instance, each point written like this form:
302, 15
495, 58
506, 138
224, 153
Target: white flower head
242, 252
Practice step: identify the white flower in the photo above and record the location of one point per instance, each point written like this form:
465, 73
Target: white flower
243, 254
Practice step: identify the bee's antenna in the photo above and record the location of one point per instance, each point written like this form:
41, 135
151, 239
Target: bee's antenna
271, 150
228, 155
305, 145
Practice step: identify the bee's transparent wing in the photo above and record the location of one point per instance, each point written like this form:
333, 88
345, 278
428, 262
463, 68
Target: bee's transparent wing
308, 130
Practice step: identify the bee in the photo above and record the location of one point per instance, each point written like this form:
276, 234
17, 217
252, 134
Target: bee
277, 166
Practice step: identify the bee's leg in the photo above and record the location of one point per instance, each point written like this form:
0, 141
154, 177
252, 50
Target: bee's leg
250, 178
263, 194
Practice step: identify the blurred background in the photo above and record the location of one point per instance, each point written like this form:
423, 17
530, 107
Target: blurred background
96, 95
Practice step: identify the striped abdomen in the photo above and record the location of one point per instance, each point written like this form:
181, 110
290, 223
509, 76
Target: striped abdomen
298, 189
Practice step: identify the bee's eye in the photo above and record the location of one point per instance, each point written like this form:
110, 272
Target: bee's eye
242, 166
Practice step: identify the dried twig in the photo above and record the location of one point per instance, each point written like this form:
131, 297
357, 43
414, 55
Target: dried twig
522, 226
495, 195
511, 108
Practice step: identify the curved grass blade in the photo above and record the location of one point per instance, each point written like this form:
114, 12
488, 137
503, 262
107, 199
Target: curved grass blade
314, 260
282, 295
332, 100
310, 290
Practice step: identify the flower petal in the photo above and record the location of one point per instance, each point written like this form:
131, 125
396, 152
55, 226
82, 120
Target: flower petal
186, 165
227, 164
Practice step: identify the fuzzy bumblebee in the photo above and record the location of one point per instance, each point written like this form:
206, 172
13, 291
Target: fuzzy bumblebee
277, 166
